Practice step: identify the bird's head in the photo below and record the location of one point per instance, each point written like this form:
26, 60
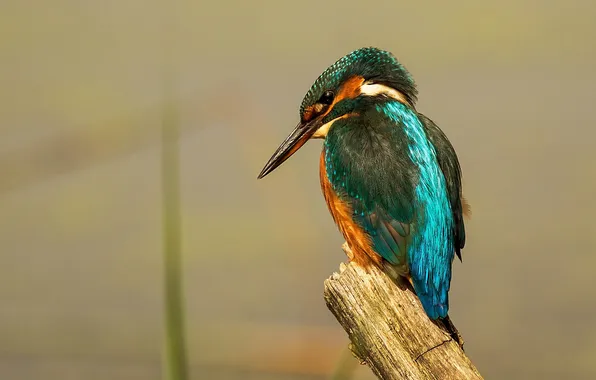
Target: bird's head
357, 80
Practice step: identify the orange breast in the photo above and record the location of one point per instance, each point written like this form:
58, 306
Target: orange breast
341, 212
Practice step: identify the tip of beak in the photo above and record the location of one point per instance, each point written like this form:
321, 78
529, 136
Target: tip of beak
263, 173
269, 167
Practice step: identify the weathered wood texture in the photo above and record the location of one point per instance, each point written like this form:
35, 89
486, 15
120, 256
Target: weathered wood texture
389, 329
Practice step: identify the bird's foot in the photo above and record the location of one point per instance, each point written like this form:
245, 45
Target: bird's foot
399, 278
390, 271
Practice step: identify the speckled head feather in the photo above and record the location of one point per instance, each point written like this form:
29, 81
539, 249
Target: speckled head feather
374, 65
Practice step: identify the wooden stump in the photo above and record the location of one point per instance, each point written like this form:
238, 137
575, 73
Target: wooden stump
389, 329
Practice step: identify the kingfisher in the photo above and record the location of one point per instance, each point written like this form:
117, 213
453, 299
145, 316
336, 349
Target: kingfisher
389, 175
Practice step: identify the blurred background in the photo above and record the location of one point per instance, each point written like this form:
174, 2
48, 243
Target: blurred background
81, 107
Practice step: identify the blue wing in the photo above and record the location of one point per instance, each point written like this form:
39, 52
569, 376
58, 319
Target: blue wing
449, 164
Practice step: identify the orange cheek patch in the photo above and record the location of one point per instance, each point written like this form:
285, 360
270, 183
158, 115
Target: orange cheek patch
349, 90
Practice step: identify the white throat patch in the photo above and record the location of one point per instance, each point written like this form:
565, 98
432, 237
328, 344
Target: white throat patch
321, 133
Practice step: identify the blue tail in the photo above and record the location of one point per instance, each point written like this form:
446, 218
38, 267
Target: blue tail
434, 301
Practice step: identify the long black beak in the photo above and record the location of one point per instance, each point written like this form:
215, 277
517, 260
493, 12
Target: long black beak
291, 144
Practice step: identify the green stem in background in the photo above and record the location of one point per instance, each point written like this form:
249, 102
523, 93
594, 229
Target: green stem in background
175, 357
346, 366
175, 346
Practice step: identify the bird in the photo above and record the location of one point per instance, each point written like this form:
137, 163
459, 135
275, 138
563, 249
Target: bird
390, 177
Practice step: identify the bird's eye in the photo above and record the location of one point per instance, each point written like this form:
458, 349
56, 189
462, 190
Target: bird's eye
327, 97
